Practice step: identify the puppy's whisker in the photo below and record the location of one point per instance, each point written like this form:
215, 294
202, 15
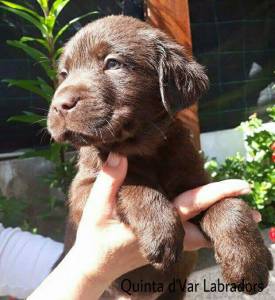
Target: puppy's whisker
44, 132
107, 127
96, 133
39, 121
110, 128
82, 138
159, 130
42, 109
100, 133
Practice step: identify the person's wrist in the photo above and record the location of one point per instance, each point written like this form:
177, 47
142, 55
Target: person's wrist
90, 267
84, 279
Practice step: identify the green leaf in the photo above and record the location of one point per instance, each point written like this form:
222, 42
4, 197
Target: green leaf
58, 52
15, 6
43, 4
37, 55
12, 211
46, 88
25, 39
57, 7
29, 85
50, 21
271, 112
52, 153
64, 28
37, 23
29, 117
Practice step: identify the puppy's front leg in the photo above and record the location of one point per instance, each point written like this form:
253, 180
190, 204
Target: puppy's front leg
155, 222
238, 244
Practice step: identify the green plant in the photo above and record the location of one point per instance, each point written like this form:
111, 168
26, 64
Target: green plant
39, 216
43, 49
258, 167
12, 212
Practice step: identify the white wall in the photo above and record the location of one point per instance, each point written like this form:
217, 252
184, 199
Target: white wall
223, 143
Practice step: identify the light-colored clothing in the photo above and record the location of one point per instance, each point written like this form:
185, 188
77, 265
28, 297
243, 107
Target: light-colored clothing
25, 260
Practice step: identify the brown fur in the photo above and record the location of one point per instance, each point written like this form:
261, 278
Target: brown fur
128, 107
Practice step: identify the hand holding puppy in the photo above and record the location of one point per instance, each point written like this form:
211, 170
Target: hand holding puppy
105, 248
116, 241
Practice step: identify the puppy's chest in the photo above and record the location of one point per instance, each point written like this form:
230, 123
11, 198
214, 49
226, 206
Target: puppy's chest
175, 167
169, 174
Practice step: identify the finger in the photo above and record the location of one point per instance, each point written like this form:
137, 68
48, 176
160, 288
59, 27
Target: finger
194, 201
194, 239
257, 217
102, 198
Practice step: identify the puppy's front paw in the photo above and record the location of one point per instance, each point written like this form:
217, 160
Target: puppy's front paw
238, 245
246, 265
162, 244
156, 223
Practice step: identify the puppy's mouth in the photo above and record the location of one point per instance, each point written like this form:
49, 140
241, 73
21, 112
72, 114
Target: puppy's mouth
100, 132
77, 139
97, 135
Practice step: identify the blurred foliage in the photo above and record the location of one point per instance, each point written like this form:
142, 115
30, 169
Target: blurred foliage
37, 216
258, 167
43, 48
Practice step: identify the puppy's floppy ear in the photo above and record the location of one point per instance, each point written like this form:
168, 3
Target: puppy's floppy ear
181, 79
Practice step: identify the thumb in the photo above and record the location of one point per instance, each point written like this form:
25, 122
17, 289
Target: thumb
103, 194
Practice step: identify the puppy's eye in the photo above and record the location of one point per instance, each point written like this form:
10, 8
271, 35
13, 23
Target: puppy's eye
112, 64
63, 73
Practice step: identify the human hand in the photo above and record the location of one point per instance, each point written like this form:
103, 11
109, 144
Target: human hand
105, 248
105, 243
191, 203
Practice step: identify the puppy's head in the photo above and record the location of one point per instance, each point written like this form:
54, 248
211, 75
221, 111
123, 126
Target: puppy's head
119, 79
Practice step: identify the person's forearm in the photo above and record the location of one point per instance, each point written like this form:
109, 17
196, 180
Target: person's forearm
25, 261
67, 282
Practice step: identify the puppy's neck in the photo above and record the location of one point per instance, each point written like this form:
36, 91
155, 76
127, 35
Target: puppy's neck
155, 141
144, 142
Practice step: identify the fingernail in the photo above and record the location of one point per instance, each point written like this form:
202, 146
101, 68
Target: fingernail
245, 191
244, 186
113, 160
257, 217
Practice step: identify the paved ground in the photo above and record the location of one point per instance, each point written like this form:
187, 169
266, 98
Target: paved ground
208, 272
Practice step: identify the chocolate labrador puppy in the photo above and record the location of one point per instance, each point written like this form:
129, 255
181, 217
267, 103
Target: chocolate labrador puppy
120, 84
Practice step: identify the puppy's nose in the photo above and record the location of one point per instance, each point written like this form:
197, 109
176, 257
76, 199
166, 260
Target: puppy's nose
65, 104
